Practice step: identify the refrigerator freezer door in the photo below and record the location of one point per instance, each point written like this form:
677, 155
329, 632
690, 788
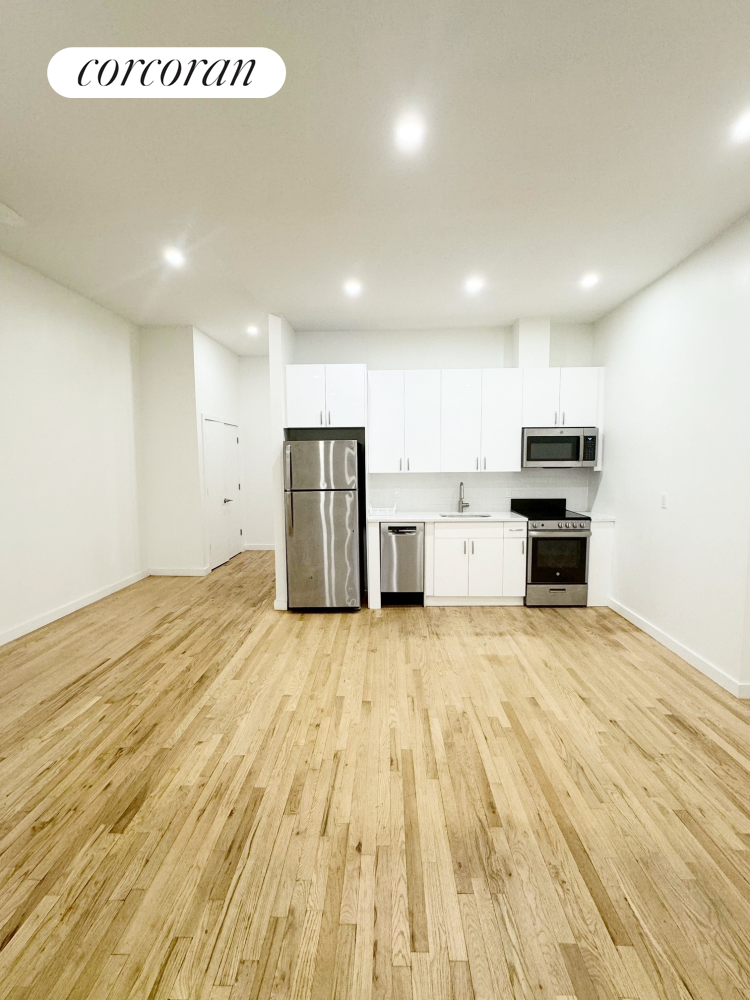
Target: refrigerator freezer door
320, 465
322, 549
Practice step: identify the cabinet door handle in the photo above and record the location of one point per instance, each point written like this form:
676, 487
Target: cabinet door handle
472, 548
329, 418
477, 464
464, 548
321, 416
401, 465
523, 547
485, 463
555, 418
407, 465
563, 416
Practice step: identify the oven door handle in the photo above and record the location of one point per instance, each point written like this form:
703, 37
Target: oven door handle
560, 534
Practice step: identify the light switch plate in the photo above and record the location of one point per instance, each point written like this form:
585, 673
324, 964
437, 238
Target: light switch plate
664, 498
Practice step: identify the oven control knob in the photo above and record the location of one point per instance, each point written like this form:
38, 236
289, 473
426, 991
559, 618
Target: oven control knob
567, 524
560, 524
581, 524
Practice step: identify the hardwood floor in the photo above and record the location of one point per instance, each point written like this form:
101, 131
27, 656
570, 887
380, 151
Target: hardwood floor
205, 798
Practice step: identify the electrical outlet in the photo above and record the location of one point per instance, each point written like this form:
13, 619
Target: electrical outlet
664, 498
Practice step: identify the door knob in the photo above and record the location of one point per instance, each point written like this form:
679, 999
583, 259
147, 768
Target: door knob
227, 500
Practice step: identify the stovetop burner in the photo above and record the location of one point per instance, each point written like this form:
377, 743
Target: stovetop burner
551, 515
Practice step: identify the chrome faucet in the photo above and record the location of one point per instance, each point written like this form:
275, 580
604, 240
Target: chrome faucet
462, 504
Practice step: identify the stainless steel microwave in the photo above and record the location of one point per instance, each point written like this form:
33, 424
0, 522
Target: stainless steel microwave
560, 447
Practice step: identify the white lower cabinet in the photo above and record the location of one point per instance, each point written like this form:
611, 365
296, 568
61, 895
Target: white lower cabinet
482, 561
486, 567
451, 567
514, 567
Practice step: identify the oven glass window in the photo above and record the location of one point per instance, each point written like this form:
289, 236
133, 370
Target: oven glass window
558, 560
553, 449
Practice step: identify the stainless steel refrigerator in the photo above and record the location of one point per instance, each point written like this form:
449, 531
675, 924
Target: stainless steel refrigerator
322, 524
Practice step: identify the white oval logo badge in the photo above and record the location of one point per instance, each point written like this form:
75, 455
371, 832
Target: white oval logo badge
166, 72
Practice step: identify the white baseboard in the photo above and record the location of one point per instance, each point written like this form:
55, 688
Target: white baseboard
178, 571
694, 659
259, 547
473, 602
66, 609
279, 605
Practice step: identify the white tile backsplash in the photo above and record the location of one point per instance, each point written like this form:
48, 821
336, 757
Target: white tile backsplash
485, 491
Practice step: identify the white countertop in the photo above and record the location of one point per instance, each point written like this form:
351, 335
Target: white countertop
597, 516
404, 516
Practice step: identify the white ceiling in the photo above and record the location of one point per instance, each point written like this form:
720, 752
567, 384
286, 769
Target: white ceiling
563, 136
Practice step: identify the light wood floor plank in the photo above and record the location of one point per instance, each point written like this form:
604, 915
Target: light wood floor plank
204, 799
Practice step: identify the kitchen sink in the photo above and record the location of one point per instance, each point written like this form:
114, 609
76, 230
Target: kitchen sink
465, 515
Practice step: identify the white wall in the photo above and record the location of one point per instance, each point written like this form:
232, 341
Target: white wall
256, 453
281, 351
68, 492
571, 345
171, 504
478, 348
217, 379
677, 409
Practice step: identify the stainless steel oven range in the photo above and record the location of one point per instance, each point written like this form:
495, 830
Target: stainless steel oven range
557, 564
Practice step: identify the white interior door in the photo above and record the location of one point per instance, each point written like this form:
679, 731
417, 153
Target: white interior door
579, 397
460, 419
305, 395
345, 395
221, 473
385, 422
485, 567
541, 397
422, 420
501, 420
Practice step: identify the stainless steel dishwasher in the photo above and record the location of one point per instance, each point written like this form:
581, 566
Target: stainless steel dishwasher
402, 562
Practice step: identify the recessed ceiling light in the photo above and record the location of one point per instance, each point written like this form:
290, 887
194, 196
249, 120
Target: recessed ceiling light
474, 284
174, 257
741, 129
589, 280
253, 330
409, 132
353, 288
10, 218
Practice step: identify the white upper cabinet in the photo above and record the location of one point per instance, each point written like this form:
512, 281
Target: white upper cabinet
385, 425
422, 420
461, 420
579, 397
305, 395
541, 397
345, 395
454, 420
556, 397
501, 420
325, 395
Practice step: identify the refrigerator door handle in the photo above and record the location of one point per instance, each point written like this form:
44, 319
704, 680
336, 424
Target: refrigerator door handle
290, 511
288, 470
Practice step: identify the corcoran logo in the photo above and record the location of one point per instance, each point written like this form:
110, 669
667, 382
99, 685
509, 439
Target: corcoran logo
171, 72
